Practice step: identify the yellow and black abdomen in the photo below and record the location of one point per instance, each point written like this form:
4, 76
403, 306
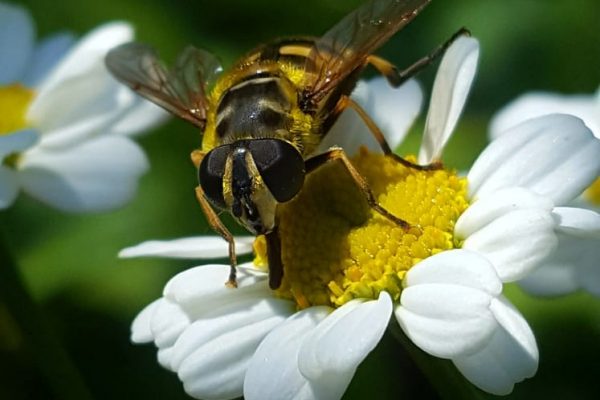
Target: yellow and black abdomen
259, 107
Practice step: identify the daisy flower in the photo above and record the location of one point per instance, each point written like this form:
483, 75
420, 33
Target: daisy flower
349, 272
65, 121
574, 266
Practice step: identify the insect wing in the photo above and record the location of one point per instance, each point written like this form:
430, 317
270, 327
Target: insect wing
347, 45
181, 90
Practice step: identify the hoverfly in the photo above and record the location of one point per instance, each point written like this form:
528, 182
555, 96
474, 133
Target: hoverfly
264, 117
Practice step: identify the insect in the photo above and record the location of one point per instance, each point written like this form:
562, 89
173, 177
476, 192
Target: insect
263, 118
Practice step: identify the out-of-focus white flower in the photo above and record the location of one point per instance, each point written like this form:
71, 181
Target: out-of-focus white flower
65, 121
574, 265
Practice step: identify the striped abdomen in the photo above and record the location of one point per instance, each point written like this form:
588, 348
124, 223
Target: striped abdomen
258, 107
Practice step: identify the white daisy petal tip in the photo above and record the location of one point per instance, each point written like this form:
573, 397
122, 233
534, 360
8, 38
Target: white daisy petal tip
450, 90
510, 356
167, 323
140, 327
329, 350
201, 247
555, 156
444, 309
578, 222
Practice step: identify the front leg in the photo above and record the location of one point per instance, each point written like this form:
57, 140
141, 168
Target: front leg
337, 153
217, 225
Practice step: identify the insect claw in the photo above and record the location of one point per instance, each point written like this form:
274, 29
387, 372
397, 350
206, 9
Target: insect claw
232, 284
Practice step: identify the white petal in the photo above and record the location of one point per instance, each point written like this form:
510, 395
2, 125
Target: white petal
572, 266
201, 290
97, 175
88, 53
450, 89
446, 313
392, 109
16, 42
141, 116
587, 271
80, 108
17, 142
9, 187
531, 105
490, 207
578, 221
343, 340
349, 131
80, 98
212, 355
446, 320
457, 267
167, 323
206, 329
554, 156
46, 56
515, 242
164, 357
200, 247
140, 327
552, 278
509, 357
277, 356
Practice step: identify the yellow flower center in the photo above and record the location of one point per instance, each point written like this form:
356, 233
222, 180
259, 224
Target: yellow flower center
335, 248
14, 101
592, 194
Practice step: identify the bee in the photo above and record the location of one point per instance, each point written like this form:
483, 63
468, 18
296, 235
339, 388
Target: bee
263, 118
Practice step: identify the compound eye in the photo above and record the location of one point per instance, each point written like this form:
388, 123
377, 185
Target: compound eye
210, 175
280, 165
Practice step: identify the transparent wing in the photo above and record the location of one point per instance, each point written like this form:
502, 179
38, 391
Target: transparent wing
180, 90
347, 45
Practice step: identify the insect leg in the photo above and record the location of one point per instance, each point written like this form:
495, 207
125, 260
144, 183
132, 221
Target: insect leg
346, 102
217, 225
397, 78
337, 153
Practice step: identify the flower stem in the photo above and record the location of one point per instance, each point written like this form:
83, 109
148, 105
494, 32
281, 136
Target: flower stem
442, 374
52, 359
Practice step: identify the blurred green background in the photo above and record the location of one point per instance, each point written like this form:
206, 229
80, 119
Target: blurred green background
89, 297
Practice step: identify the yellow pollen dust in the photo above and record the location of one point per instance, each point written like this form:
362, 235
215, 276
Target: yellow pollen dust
14, 101
592, 194
335, 248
